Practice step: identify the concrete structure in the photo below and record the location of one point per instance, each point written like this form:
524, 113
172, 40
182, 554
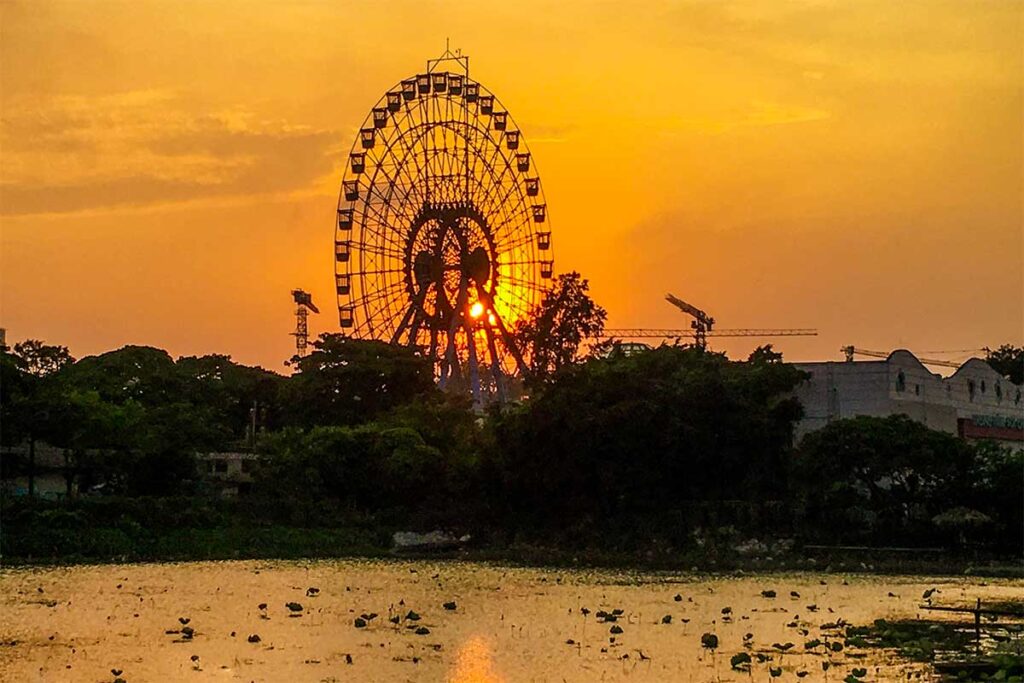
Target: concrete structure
229, 473
49, 471
226, 474
974, 402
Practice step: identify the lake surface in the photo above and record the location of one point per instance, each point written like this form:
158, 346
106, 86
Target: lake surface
509, 624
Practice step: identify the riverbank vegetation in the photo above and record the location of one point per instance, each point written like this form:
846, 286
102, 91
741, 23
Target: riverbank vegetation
672, 455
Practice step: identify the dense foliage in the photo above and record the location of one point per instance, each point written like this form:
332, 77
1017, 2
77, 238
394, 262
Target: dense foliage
631, 441
555, 334
892, 480
667, 450
1008, 360
348, 381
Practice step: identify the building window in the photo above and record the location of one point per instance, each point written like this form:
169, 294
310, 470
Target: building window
970, 389
246, 466
999, 392
1016, 398
917, 390
901, 381
983, 386
220, 466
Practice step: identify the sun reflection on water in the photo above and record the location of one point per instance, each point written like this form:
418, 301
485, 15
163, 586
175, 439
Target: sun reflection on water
474, 663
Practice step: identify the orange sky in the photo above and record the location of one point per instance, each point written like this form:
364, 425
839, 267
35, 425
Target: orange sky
170, 169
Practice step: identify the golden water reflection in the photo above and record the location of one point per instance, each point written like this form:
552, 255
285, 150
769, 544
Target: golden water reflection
474, 663
473, 622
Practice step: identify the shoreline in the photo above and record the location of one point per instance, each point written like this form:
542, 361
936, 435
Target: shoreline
540, 557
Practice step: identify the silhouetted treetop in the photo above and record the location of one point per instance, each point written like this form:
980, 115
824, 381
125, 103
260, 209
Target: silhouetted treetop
553, 333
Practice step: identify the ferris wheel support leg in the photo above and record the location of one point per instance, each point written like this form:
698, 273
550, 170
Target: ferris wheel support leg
433, 344
411, 315
474, 371
509, 342
417, 322
499, 379
450, 364
405, 321
414, 330
449, 367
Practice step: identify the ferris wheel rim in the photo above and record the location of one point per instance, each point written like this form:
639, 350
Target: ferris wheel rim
378, 229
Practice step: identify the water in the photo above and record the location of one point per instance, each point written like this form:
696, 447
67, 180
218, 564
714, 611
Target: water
508, 625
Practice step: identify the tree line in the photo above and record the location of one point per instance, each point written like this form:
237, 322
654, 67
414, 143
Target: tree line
659, 450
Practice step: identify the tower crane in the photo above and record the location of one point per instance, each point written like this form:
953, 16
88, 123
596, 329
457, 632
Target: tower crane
702, 322
702, 327
303, 305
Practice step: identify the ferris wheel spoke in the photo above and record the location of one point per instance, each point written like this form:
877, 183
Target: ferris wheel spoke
382, 251
519, 289
379, 303
506, 189
499, 191
363, 273
524, 242
381, 208
520, 263
382, 223
494, 146
392, 173
514, 218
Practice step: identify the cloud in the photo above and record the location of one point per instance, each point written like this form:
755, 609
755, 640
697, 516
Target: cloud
544, 132
72, 153
756, 114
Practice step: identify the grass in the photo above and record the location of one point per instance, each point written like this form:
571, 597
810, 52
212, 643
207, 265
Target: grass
224, 543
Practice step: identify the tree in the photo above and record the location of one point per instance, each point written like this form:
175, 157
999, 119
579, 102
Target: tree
629, 443
764, 354
554, 331
230, 392
16, 389
885, 479
369, 468
1008, 361
26, 379
19, 410
348, 381
40, 359
85, 426
140, 373
997, 489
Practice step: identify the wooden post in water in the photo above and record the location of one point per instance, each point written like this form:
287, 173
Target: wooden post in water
977, 628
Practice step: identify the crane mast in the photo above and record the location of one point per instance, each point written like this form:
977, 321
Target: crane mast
702, 322
303, 305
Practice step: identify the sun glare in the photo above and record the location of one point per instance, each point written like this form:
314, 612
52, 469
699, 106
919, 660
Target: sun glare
476, 310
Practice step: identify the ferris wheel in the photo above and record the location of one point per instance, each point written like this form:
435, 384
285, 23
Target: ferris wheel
442, 239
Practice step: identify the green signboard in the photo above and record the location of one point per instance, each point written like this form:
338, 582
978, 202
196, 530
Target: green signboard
998, 421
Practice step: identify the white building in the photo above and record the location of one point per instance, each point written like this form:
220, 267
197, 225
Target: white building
975, 402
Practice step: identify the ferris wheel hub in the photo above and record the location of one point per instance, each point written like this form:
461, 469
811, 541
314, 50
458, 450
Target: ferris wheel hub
448, 249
